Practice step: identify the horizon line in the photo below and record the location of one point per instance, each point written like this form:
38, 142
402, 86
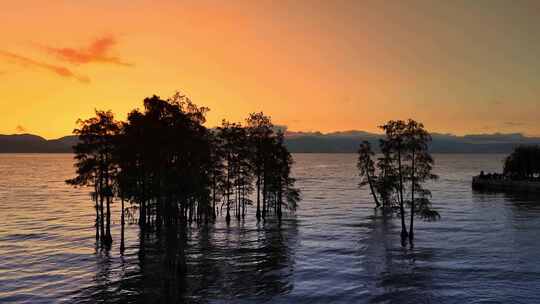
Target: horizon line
500, 133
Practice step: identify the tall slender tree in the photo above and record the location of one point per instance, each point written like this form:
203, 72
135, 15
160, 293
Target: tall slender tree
394, 148
418, 171
260, 129
287, 195
366, 168
94, 163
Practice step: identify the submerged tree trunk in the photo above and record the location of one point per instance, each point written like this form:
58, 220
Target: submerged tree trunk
122, 223
411, 227
96, 199
264, 198
228, 217
237, 195
102, 219
214, 197
401, 207
142, 207
279, 201
258, 195
142, 214
108, 237
97, 220
377, 204
243, 202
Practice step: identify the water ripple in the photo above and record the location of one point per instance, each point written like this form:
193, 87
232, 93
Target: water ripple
336, 249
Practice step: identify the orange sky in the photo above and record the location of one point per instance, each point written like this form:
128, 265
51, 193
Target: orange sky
458, 66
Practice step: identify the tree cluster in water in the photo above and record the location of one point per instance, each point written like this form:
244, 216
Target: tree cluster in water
173, 170
397, 177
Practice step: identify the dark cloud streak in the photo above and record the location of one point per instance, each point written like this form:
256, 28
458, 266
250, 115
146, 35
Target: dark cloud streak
31, 63
97, 52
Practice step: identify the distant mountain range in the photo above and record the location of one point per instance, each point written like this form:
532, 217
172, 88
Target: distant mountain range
307, 142
348, 141
28, 143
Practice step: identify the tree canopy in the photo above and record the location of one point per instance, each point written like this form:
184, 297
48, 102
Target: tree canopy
523, 163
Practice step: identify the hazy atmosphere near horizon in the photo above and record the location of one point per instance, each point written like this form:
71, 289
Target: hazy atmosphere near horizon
270, 151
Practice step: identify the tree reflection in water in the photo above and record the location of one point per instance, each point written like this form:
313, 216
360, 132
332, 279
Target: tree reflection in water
394, 272
248, 261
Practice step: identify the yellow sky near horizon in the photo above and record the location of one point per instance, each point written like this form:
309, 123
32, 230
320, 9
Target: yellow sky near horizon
458, 66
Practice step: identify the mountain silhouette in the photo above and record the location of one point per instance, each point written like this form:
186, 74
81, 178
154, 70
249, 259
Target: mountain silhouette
308, 142
28, 143
349, 141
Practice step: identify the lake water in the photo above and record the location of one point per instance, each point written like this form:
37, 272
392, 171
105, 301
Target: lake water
336, 249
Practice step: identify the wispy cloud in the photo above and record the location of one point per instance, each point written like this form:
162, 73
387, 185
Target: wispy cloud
514, 124
31, 63
98, 51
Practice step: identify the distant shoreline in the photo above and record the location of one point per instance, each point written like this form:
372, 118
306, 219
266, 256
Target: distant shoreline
505, 185
331, 143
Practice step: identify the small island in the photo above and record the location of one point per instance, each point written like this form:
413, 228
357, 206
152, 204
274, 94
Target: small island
521, 173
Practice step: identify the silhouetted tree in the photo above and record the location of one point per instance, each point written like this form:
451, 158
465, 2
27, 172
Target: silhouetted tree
394, 148
94, 163
216, 173
523, 163
260, 130
285, 194
166, 164
366, 166
398, 177
238, 171
418, 170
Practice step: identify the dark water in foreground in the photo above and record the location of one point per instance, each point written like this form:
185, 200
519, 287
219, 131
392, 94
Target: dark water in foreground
485, 249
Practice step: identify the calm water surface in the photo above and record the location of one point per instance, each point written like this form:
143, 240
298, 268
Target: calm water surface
336, 249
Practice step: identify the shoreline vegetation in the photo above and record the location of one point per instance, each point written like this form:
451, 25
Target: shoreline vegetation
168, 170
521, 173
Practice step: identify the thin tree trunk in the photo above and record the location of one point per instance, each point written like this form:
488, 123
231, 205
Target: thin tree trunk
108, 227
264, 198
245, 202
239, 190
279, 201
142, 207
372, 189
97, 210
102, 218
258, 195
228, 216
401, 207
122, 223
108, 199
214, 196
411, 231
101, 208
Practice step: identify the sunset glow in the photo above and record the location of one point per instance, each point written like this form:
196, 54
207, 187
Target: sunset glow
459, 66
